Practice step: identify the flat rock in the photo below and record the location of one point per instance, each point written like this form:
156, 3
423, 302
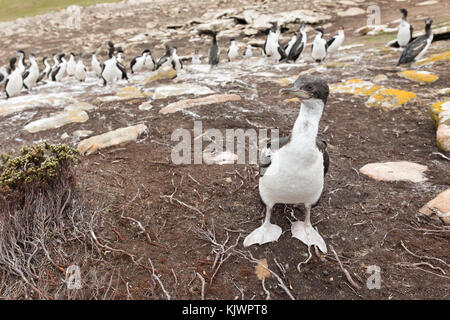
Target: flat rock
165, 72
445, 56
22, 103
418, 76
390, 99
82, 133
179, 89
189, 103
350, 12
74, 113
216, 25
440, 114
395, 171
439, 207
112, 138
220, 158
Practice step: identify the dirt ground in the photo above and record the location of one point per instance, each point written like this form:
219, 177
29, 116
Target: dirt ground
368, 223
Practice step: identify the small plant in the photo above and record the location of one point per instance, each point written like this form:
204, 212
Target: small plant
37, 164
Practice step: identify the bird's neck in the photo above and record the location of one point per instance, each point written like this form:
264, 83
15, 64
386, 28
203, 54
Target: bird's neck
428, 29
307, 124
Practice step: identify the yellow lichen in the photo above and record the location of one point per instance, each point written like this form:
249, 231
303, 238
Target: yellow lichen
419, 76
445, 56
389, 98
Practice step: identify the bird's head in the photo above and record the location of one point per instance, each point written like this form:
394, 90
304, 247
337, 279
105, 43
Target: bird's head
146, 51
319, 31
428, 21
404, 12
21, 52
232, 40
308, 88
341, 27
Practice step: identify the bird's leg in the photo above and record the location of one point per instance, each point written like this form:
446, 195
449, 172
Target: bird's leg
305, 232
268, 232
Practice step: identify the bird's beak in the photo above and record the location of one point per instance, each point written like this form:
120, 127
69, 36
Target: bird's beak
302, 94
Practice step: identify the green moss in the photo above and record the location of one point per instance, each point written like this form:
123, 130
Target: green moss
36, 164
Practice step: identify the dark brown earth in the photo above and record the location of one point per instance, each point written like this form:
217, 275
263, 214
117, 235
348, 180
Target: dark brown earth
366, 222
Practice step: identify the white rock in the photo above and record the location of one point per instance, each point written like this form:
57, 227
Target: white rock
220, 158
395, 171
351, 12
179, 89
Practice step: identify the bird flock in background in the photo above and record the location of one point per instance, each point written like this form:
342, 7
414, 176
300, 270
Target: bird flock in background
27, 76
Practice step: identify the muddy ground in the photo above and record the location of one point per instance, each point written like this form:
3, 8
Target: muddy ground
368, 223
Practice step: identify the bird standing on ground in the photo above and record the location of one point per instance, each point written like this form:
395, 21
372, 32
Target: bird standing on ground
248, 52
319, 47
233, 50
176, 61
214, 52
150, 63
294, 172
166, 59
417, 48
95, 65
137, 64
71, 65
335, 42
405, 30
46, 72
196, 58
31, 75
80, 69
291, 42
299, 45
60, 69
14, 82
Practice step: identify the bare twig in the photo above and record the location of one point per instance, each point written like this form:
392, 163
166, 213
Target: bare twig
203, 285
157, 278
347, 274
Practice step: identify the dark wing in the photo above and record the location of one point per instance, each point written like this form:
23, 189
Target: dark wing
265, 157
6, 84
2, 77
265, 43
228, 54
282, 53
296, 49
25, 74
104, 80
55, 72
174, 65
133, 62
123, 70
41, 77
322, 146
181, 63
330, 41
413, 49
161, 61
411, 29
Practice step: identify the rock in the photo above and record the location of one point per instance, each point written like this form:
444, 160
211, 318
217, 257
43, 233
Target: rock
380, 97
395, 171
146, 106
82, 133
112, 138
350, 12
72, 113
126, 93
165, 72
184, 104
440, 113
445, 56
284, 82
65, 136
179, 89
216, 25
390, 99
427, 3
379, 78
262, 22
355, 86
373, 29
444, 91
439, 207
220, 158
22, 103
250, 16
419, 76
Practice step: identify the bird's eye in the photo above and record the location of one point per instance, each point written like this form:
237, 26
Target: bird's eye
309, 87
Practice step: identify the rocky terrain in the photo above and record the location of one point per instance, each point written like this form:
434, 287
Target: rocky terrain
387, 130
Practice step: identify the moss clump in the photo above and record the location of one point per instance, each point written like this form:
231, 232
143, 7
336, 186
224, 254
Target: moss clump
38, 164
